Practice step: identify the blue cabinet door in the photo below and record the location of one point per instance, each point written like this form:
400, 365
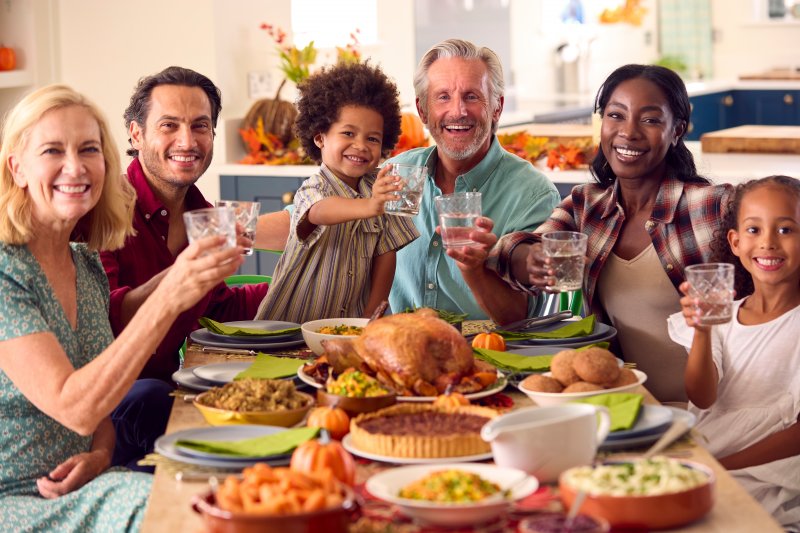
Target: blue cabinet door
711, 112
768, 107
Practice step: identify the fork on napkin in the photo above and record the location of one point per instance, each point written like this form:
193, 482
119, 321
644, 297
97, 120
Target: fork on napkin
234, 331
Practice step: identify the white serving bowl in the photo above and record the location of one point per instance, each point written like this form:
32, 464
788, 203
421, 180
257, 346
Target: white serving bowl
555, 398
386, 486
314, 338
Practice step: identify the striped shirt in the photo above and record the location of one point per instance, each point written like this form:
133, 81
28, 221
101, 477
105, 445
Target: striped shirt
328, 274
681, 227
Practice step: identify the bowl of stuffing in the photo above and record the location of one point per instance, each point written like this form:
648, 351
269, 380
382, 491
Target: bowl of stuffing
270, 402
355, 392
316, 331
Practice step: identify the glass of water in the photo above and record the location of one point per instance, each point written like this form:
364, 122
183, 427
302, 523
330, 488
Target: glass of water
457, 215
712, 285
412, 178
202, 223
567, 253
246, 215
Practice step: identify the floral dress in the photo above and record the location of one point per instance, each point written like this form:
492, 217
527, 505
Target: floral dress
32, 443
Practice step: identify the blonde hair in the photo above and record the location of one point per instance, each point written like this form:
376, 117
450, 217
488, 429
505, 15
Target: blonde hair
109, 222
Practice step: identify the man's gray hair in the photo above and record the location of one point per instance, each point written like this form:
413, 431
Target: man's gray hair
465, 50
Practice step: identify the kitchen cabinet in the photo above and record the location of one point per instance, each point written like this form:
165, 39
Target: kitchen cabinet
711, 112
274, 193
768, 107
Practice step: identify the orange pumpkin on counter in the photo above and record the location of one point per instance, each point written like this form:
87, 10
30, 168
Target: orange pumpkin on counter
412, 134
315, 455
8, 59
490, 341
333, 419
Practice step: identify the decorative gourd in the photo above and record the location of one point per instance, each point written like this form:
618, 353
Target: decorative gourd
490, 341
8, 59
333, 419
315, 455
411, 127
452, 399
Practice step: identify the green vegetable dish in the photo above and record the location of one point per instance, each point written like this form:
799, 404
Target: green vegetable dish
450, 486
355, 384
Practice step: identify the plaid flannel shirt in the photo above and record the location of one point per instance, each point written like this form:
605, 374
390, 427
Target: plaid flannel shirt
681, 226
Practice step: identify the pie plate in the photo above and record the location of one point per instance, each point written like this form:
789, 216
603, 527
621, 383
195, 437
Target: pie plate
347, 443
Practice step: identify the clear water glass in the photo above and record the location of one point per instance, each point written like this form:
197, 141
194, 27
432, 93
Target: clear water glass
458, 213
712, 285
202, 223
412, 178
567, 253
246, 214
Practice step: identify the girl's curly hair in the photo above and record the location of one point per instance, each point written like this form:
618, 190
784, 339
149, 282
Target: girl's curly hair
325, 93
721, 250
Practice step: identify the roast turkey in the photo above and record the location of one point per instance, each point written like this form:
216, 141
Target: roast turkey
415, 354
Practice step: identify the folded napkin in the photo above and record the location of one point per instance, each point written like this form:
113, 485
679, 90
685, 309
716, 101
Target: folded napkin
579, 328
623, 407
275, 444
221, 329
271, 367
514, 362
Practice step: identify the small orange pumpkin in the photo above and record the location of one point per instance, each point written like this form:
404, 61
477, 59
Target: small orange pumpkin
453, 399
411, 128
8, 59
316, 455
334, 419
490, 341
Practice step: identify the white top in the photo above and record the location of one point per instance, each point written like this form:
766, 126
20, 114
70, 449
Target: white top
758, 394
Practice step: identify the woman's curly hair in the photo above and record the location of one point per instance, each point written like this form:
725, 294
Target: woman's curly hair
325, 93
720, 249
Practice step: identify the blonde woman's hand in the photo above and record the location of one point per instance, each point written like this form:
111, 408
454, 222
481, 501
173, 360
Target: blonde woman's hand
198, 269
73, 474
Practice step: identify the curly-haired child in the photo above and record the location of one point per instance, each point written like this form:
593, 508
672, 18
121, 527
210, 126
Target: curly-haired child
743, 377
339, 260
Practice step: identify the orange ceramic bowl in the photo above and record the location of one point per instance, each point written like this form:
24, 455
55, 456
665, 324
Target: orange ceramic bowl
662, 511
334, 520
355, 406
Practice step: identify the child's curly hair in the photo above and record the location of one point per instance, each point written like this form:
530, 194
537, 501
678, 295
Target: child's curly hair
721, 250
325, 93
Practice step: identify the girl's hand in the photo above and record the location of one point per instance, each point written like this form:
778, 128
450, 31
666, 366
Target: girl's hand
384, 190
539, 271
73, 473
200, 267
472, 258
690, 307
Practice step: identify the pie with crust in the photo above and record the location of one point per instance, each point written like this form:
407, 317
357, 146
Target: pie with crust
422, 431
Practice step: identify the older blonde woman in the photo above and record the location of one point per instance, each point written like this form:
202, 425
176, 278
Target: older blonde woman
61, 371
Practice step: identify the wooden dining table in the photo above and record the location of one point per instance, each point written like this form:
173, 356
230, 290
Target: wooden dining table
170, 505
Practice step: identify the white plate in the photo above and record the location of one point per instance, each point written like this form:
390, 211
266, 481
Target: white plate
222, 373
555, 398
266, 325
347, 443
651, 418
387, 484
649, 438
601, 332
165, 445
186, 378
205, 338
497, 386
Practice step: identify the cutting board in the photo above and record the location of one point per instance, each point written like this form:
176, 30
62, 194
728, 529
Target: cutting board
553, 131
753, 139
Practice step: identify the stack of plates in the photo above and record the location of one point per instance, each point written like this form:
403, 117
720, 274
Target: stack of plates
652, 422
166, 446
601, 332
251, 342
204, 377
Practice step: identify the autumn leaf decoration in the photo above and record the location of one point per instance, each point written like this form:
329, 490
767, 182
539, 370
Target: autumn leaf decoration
567, 155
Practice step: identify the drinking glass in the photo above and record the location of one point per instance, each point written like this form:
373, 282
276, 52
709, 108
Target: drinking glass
712, 285
247, 215
412, 178
567, 253
457, 215
203, 223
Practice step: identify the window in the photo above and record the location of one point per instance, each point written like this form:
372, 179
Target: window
330, 23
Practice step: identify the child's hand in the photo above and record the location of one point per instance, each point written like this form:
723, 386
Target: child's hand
690, 307
384, 190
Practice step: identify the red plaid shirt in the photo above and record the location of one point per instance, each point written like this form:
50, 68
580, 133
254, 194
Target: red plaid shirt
681, 226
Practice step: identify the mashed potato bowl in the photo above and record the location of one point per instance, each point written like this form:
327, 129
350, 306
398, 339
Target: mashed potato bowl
643, 512
555, 398
314, 338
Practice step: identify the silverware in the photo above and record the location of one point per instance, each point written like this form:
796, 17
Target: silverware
211, 349
676, 430
529, 323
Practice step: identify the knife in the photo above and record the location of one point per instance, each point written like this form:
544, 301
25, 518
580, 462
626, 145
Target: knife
530, 323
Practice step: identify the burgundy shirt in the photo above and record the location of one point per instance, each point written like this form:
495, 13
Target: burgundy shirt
146, 254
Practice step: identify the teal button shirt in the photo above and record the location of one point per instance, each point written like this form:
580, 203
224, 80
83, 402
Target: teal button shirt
514, 195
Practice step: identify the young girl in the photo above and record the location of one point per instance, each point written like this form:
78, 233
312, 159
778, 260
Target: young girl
339, 260
743, 377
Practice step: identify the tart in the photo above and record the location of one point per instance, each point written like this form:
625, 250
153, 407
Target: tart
422, 431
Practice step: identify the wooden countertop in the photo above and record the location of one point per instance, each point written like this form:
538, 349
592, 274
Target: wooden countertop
775, 74
169, 506
753, 139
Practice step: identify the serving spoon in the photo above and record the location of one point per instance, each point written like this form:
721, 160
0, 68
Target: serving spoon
676, 430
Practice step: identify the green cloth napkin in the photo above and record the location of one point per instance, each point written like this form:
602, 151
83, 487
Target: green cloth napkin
623, 407
514, 362
270, 367
579, 328
275, 444
221, 329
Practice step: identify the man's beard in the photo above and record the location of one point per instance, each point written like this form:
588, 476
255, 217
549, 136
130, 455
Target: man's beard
481, 133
